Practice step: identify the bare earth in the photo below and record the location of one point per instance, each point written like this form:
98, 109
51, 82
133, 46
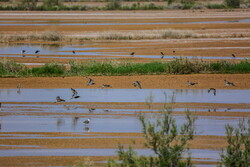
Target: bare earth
205, 81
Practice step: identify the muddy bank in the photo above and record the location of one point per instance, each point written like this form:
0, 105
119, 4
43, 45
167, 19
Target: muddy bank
205, 81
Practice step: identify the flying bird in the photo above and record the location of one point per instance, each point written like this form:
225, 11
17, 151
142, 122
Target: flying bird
74, 92
212, 89
106, 86
137, 84
58, 99
229, 83
191, 83
91, 109
90, 81
162, 55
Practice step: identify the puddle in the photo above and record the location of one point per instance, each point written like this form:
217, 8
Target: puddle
65, 52
205, 125
129, 95
61, 23
211, 155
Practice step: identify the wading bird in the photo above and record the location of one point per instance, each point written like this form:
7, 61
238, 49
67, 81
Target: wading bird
233, 55
191, 83
212, 89
86, 121
19, 88
137, 84
23, 51
58, 99
132, 54
229, 83
73, 52
37, 51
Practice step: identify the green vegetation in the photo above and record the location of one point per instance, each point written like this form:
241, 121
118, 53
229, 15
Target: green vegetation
58, 5
177, 66
168, 142
232, 3
238, 148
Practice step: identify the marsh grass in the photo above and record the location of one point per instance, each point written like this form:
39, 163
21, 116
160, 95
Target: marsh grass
111, 67
11, 68
147, 34
49, 35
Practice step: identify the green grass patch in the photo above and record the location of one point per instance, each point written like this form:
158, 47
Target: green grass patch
51, 69
114, 67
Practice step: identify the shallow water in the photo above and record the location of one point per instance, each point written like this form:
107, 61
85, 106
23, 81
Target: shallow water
54, 122
65, 52
128, 95
61, 23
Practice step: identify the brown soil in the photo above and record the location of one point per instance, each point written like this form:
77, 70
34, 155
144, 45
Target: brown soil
205, 81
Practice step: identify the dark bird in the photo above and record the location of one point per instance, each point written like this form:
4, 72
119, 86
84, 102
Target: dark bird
191, 83
173, 51
37, 51
74, 92
229, 83
86, 121
91, 109
23, 51
58, 99
0, 106
137, 84
75, 97
162, 55
106, 110
132, 54
19, 88
106, 86
212, 89
73, 52
90, 81
233, 55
